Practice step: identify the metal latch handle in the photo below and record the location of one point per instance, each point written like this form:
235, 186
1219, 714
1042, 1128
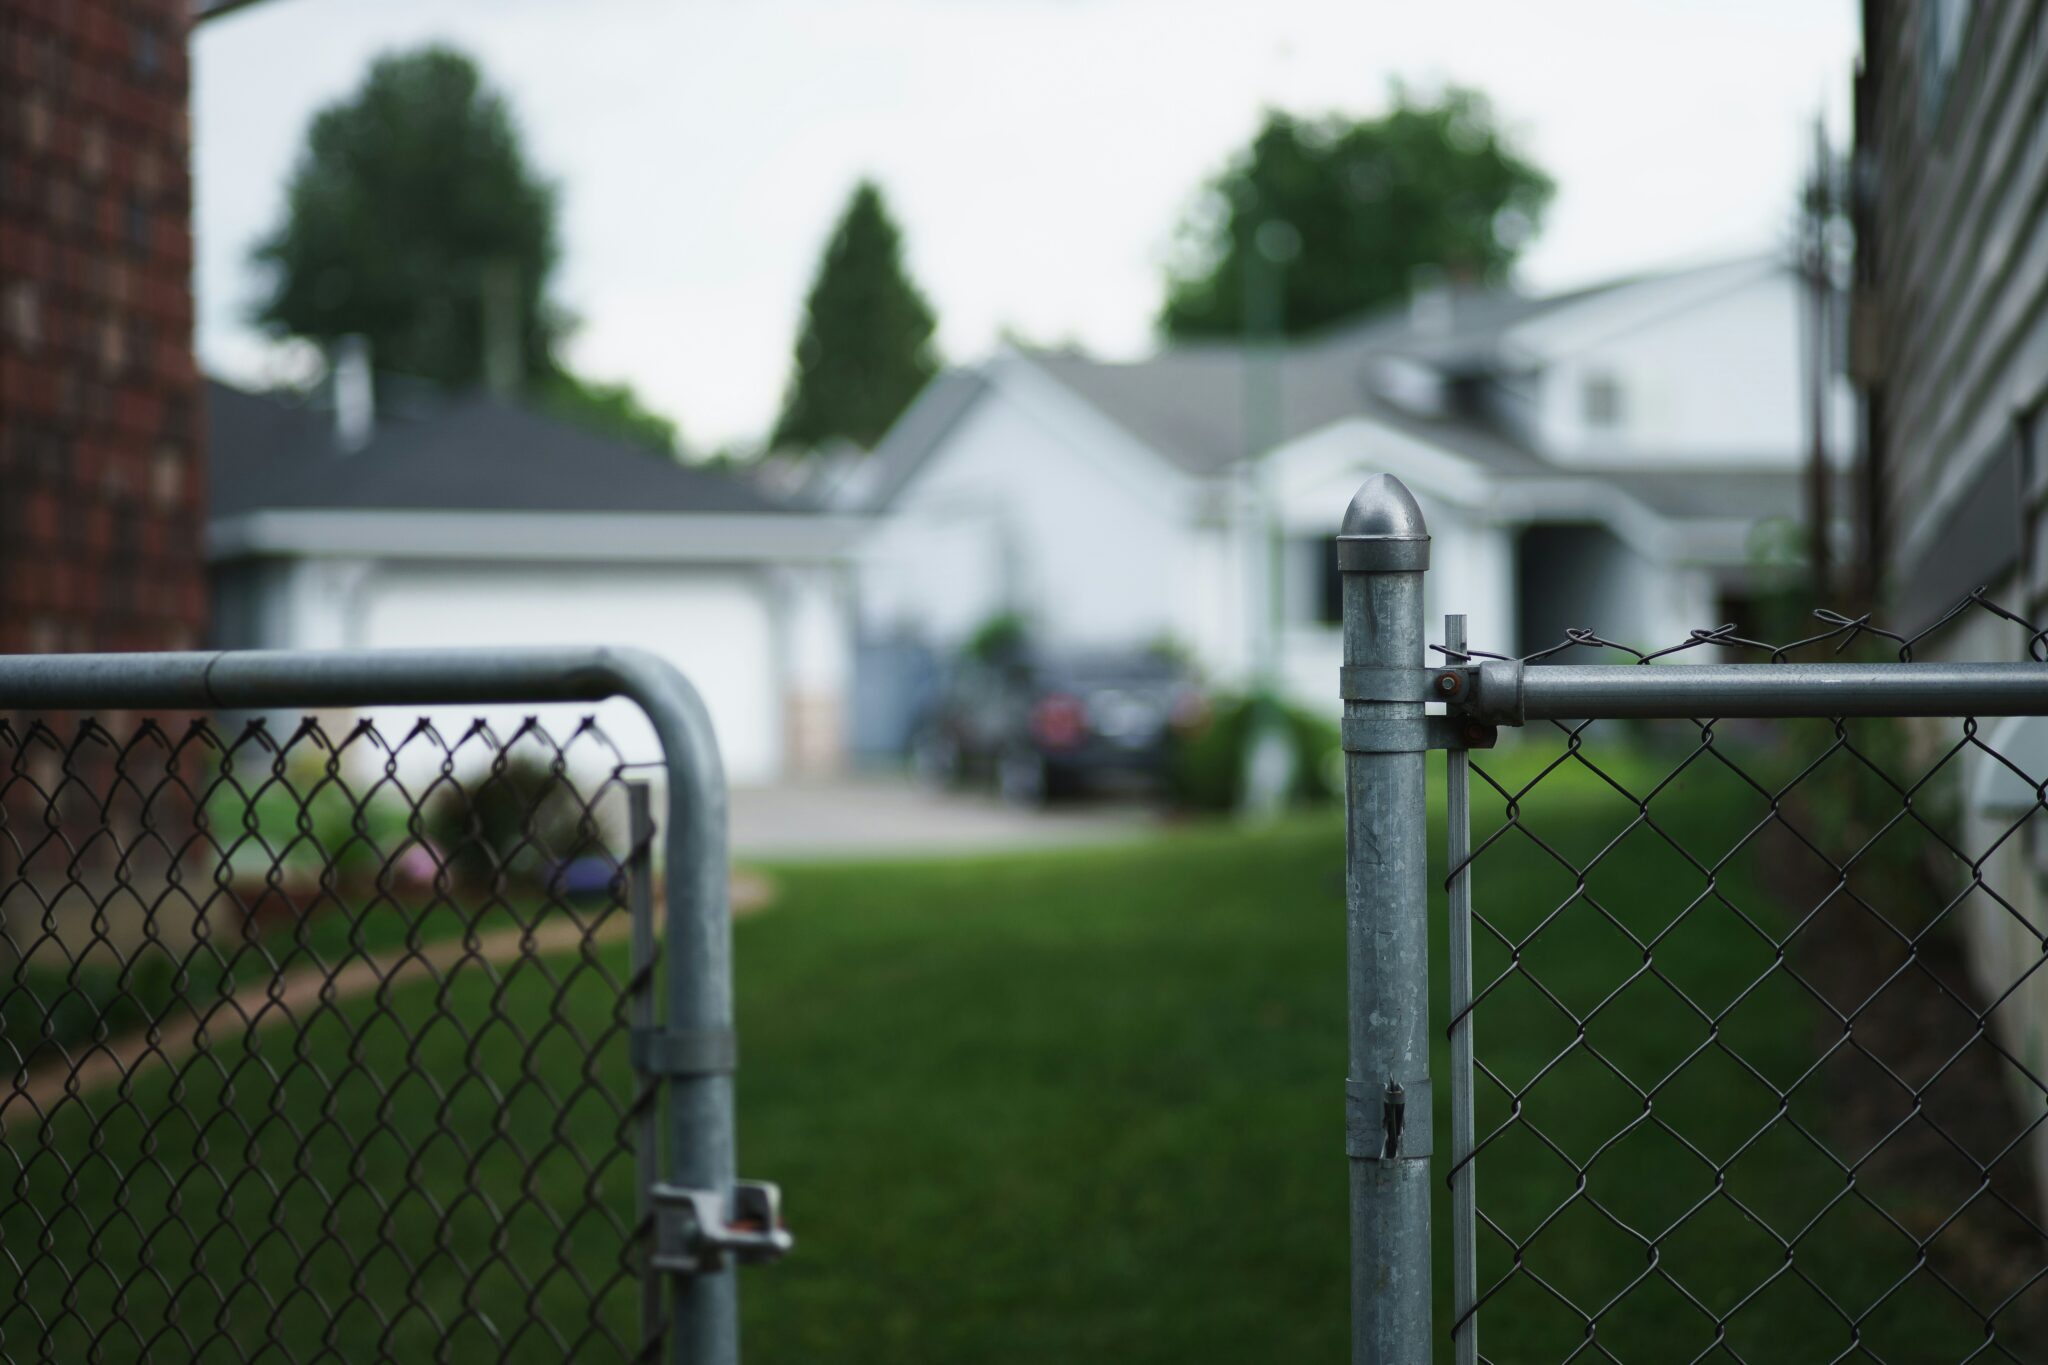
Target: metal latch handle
694, 1235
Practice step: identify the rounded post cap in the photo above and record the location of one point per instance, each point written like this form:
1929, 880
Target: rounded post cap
1384, 509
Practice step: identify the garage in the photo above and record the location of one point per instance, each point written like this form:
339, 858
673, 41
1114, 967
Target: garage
475, 522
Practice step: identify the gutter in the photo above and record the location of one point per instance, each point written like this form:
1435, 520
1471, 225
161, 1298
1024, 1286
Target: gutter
582, 537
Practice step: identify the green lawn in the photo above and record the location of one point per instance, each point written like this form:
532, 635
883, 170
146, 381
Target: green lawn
1084, 1106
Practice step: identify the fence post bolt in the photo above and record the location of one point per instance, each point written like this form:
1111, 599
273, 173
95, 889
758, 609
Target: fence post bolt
1382, 553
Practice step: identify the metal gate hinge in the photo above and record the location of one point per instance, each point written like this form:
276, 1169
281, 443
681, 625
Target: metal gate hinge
682, 1052
1414, 734
1490, 692
694, 1236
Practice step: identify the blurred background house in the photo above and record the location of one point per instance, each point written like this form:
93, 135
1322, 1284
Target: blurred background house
430, 519
1596, 458
1610, 448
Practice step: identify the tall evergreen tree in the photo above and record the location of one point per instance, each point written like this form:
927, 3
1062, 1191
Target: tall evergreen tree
1357, 208
866, 345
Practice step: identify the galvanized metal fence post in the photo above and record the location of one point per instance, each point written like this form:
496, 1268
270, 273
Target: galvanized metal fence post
1382, 552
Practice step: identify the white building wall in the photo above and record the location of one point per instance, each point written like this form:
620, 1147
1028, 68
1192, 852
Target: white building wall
1705, 370
1026, 509
716, 625
1215, 602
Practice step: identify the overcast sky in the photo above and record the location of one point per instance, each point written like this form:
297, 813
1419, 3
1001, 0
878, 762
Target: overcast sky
1037, 152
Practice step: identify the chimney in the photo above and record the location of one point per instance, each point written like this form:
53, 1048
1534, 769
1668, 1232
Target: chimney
355, 395
501, 326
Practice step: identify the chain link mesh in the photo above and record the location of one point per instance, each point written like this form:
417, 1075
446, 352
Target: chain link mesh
1759, 1016
315, 1042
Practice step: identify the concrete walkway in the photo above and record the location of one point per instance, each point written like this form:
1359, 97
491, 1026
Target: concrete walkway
895, 817
295, 994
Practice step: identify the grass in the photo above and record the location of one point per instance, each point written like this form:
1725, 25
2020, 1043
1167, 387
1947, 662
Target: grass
1083, 1106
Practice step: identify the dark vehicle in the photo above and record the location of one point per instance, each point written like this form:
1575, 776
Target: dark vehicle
1045, 725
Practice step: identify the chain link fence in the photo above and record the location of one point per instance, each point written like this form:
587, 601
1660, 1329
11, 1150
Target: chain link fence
315, 1038
1742, 955
1757, 1026
341, 1035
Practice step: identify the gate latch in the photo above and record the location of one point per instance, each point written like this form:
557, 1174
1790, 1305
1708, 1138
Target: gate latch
693, 1235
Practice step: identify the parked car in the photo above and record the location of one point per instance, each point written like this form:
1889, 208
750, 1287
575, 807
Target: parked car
1043, 725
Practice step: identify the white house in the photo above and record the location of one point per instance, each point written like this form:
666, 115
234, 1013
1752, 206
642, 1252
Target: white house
1595, 459
474, 521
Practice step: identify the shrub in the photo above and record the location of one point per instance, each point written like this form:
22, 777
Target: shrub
303, 820
1208, 768
522, 820
49, 1007
1002, 636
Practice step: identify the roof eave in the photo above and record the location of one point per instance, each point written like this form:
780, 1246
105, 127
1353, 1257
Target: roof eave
535, 537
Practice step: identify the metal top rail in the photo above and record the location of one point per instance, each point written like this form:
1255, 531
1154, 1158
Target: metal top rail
1510, 693
230, 679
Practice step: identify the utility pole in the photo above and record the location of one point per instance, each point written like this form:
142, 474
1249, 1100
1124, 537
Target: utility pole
1269, 761
1816, 213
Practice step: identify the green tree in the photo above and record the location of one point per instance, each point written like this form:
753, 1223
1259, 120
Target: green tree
612, 409
1350, 210
866, 345
411, 203
414, 220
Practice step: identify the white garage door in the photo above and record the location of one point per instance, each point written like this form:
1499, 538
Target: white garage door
713, 624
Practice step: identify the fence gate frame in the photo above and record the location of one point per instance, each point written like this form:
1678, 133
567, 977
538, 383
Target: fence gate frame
699, 1221
1382, 554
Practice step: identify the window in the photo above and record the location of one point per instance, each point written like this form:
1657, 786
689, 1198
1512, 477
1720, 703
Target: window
1603, 404
1314, 590
1332, 596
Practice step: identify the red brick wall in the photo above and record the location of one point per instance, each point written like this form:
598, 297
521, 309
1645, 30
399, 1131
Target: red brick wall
102, 488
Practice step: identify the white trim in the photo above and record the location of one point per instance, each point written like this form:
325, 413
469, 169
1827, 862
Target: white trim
569, 537
1434, 472
1702, 541
1430, 469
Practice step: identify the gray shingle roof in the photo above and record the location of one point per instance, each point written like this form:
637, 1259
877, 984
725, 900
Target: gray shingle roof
465, 453
1190, 404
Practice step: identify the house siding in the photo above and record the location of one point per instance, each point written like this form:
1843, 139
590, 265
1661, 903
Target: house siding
101, 480
1953, 287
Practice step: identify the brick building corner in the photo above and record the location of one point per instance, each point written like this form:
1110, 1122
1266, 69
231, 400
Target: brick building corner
102, 479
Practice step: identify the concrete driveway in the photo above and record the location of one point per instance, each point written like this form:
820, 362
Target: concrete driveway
894, 816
